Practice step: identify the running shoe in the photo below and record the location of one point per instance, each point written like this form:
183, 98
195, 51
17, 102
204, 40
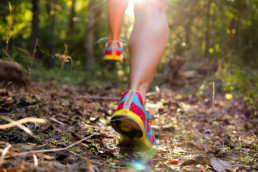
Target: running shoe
132, 121
113, 51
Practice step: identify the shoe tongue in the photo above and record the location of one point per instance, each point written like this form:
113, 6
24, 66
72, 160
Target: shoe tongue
129, 99
139, 96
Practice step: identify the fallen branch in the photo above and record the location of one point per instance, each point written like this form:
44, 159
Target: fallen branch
21, 121
58, 149
14, 123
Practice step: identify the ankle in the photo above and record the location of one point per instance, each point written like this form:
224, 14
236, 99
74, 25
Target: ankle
142, 93
112, 39
141, 88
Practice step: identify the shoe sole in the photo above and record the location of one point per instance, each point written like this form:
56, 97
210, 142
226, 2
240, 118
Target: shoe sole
130, 125
126, 126
115, 58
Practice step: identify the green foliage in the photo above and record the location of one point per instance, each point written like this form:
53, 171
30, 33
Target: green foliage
39, 139
241, 80
16, 20
245, 159
233, 38
233, 29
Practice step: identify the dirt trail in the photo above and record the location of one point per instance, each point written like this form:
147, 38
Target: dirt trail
194, 133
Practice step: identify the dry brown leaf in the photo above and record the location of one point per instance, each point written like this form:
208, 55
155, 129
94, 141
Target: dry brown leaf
175, 162
219, 165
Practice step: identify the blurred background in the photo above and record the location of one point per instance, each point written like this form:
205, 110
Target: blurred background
210, 40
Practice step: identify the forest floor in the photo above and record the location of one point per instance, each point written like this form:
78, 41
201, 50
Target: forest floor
195, 132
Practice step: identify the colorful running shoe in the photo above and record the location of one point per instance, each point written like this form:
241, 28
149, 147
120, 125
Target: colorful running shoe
133, 121
113, 51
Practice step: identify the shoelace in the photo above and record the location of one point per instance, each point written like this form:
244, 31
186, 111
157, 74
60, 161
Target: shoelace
152, 131
154, 138
105, 40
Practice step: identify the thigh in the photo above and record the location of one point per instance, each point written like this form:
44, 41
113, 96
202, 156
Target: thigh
160, 5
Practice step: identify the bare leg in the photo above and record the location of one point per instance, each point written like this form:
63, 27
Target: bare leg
116, 10
147, 42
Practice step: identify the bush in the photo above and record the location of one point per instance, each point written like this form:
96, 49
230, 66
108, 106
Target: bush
241, 80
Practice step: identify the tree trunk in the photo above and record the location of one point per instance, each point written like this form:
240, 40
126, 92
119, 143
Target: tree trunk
72, 15
207, 33
188, 33
90, 37
35, 24
175, 76
52, 26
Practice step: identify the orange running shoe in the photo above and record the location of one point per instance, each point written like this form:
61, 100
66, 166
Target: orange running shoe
133, 121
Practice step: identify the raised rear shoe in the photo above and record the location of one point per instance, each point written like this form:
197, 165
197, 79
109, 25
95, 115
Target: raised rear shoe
113, 51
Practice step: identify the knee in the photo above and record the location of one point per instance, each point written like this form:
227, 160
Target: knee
159, 6
151, 11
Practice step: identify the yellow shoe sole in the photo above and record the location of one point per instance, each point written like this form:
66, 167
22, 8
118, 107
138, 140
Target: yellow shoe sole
112, 58
131, 127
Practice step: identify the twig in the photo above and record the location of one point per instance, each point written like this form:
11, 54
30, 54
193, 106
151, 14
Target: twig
58, 149
66, 58
8, 35
21, 121
213, 93
31, 66
13, 154
55, 120
36, 161
6, 149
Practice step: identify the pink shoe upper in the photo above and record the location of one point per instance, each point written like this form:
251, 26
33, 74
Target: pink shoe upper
132, 100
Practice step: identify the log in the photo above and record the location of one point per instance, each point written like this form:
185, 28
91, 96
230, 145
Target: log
175, 76
11, 71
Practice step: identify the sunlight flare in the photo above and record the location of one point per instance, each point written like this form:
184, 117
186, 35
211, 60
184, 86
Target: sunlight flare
130, 9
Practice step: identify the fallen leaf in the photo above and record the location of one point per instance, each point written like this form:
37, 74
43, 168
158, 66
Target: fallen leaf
222, 104
193, 168
228, 96
191, 133
219, 165
189, 162
201, 167
201, 160
222, 117
175, 162
3, 92
159, 165
152, 122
